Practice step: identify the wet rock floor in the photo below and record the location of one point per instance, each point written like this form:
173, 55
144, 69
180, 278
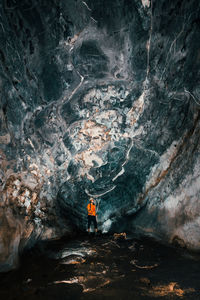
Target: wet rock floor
103, 267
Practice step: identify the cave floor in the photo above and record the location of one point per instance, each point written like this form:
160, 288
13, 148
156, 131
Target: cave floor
103, 267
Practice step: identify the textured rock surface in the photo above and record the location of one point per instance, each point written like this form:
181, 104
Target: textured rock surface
99, 98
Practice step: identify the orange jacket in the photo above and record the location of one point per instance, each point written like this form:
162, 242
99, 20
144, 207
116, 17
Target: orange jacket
91, 208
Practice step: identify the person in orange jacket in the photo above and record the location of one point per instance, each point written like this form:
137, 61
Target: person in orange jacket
91, 208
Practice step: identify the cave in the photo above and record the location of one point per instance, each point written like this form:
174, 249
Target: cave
100, 99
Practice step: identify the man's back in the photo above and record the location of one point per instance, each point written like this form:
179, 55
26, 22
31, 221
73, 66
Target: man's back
91, 208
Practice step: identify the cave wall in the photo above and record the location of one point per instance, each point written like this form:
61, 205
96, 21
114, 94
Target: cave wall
98, 98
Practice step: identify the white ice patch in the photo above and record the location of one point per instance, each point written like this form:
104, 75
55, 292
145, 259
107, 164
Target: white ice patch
79, 251
33, 166
70, 281
90, 157
119, 174
17, 182
27, 193
106, 226
146, 3
171, 204
15, 193
38, 222
27, 202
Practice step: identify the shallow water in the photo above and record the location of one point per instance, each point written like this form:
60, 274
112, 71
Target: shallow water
103, 267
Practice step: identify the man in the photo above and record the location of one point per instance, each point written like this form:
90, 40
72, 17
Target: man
91, 208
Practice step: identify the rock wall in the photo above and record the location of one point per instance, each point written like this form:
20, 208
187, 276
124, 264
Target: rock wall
98, 98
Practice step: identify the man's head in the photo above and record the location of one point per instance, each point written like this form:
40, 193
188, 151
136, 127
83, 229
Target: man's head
91, 200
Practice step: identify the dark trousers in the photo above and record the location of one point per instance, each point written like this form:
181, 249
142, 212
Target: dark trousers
92, 219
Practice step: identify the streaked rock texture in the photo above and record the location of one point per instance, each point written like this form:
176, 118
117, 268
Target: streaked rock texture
99, 98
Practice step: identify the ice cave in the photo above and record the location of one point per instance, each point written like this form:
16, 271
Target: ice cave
99, 99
